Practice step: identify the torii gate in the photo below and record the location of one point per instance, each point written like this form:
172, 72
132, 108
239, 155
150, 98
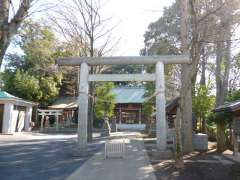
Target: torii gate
158, 77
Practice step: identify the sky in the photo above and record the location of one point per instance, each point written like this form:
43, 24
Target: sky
132, 18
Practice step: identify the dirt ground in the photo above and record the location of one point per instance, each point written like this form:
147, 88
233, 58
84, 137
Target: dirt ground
197, 166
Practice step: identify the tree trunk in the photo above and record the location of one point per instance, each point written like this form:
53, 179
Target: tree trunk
4, 43
218, 73
222, 76
10, 25
221, 139
185, 110
184, 92
178, 145
203, 83
4, 39
203, 74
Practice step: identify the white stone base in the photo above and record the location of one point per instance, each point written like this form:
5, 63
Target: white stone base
131, 127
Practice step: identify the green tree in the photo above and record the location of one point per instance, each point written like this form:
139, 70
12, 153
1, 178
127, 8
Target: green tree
203, 103
162, 38
23, 84
33, 75
221, 120
39, 45
233, 96
105, 101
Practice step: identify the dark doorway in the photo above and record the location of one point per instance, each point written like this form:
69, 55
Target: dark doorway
1, 116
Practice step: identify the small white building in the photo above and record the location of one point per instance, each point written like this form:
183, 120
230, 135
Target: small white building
15, 113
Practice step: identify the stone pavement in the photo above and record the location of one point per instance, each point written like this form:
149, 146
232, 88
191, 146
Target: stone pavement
17, 137
135, 165
38, 156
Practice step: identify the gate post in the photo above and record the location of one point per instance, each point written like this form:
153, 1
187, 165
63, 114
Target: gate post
57, 122
42, 121
83, 106
161, 127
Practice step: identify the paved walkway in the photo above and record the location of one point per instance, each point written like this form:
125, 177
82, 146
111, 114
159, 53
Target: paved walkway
37, 156
135, 165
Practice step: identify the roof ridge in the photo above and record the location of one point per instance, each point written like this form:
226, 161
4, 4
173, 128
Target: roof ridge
7, 96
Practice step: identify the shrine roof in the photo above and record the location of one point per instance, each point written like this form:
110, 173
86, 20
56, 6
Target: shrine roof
5, 96
64, 103
232, 106
129, 94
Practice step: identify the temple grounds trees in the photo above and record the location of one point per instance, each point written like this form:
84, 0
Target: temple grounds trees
105, 101
207, 28
10, 25
80, 21
12, 15
32, 75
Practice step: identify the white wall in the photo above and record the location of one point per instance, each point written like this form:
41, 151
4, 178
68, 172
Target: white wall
21, 120
28, 119
7, 118
131, 127
14, 120
10, 119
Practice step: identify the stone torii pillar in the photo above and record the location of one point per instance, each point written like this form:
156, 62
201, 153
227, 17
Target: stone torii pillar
158, 77
161, 127
83, 106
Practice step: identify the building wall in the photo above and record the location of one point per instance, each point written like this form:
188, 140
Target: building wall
11, 117
28, 119
7, 118
129, 113
14, 120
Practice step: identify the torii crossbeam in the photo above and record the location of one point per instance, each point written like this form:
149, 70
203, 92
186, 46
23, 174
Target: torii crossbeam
158, 77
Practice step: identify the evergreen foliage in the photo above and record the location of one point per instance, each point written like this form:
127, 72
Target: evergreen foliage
33, 75
105, 103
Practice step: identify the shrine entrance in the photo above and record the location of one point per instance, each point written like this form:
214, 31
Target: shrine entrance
45, 113
158, 77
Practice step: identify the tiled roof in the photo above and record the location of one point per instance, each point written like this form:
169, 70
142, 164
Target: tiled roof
129, 94
9, 97
229, 106
4, 94
123, 95
64, 103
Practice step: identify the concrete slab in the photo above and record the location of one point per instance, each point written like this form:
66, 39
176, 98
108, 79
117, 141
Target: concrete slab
135, 165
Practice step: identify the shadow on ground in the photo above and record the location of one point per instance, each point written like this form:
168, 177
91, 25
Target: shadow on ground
201, 166
40, 159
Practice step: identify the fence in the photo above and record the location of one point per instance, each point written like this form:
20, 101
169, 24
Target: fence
115, 148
